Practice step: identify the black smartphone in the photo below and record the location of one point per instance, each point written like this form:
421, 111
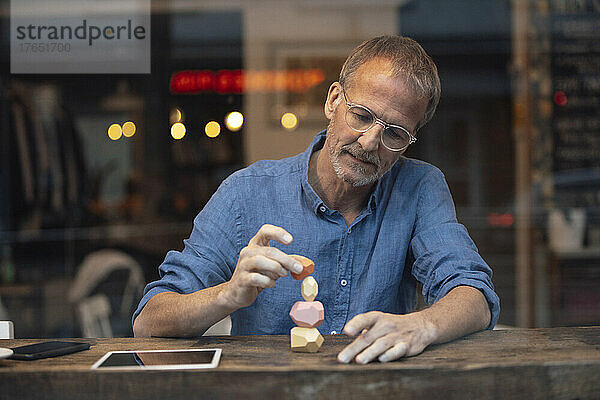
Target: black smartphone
47, 349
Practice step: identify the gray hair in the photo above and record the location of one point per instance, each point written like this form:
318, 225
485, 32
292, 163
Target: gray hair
407, 58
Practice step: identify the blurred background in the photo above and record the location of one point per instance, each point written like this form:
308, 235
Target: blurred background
102, 173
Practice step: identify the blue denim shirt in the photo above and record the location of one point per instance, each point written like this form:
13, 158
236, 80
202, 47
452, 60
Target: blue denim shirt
408, 231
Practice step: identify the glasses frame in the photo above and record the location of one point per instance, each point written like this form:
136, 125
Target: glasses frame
376, 120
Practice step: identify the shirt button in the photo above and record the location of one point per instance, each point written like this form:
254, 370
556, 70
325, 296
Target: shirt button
322, 209
333, 332
343, 282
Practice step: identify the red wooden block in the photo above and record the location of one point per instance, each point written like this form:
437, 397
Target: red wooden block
307, 264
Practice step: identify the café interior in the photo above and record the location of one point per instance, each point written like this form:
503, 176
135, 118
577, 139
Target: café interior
103, 171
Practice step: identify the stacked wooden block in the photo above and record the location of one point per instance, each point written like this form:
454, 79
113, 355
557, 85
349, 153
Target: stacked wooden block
307, 314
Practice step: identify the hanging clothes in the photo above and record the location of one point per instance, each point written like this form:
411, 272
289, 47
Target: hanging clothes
48, 170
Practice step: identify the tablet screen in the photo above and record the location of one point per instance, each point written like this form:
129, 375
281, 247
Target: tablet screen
160, 359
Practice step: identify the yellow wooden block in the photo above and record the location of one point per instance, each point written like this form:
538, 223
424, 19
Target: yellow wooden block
310, 288
305, 340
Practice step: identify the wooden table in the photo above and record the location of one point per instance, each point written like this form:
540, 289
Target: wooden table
556, 363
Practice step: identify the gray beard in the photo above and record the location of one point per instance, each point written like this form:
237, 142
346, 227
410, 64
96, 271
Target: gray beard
356, 151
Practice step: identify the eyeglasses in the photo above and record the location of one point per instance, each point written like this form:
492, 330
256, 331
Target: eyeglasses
361, 119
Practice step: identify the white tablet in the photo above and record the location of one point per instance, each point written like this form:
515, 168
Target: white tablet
159, 359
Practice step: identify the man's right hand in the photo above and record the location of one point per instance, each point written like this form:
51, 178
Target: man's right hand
259, 266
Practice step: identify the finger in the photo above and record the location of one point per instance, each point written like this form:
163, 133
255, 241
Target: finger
378, 347
360, 343
286, 261
259, 280
354, 348
394, 352
272, 275
361, 322
269, 232
264, 265
271, 259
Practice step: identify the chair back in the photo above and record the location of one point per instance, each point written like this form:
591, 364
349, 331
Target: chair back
94, 308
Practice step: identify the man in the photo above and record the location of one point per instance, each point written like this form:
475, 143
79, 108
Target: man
372, 220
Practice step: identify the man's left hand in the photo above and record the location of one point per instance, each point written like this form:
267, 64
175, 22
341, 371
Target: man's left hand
386, 337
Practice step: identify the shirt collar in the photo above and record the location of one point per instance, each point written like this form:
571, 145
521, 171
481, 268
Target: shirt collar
314, 201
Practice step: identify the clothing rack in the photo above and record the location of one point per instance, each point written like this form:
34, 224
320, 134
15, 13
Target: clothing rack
43, 180
48, 181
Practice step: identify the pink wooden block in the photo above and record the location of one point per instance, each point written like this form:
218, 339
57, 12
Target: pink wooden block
308, 314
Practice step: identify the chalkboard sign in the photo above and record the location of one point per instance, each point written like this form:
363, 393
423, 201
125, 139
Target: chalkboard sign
575, 70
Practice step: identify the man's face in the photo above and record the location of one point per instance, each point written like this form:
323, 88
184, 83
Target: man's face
359, 158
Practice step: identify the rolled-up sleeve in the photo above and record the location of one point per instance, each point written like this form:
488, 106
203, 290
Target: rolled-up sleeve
445, 255
209, 255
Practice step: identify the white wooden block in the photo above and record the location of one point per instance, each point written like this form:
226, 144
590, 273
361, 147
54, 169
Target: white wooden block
7, 330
